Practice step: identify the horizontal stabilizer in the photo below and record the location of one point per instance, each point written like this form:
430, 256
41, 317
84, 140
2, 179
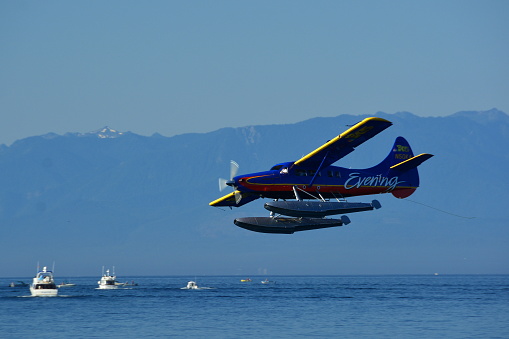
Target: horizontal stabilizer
412, 162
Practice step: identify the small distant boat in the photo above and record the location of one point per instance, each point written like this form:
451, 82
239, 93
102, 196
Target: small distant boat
43, 285
108, 281
266, 281
191, 285
245, 280
65, 284
18, 284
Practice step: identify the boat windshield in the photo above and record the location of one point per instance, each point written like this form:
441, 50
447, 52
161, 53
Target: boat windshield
46, 277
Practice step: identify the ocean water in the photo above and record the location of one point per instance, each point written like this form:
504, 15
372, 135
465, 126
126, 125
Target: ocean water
395, 306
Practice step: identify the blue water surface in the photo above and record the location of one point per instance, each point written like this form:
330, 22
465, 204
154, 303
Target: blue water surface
396, 306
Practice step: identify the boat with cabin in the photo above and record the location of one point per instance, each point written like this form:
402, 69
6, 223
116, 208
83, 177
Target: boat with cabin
108, 281
191, 285
43, 285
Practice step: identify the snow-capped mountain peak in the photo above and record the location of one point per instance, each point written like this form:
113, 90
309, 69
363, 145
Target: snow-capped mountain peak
106, 132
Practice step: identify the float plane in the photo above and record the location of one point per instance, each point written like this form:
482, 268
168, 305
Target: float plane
306, 191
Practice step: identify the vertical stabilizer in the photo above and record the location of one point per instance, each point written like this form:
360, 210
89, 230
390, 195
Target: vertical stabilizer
402, 163
400, 151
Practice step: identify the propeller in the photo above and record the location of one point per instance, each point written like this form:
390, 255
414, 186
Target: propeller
223, 183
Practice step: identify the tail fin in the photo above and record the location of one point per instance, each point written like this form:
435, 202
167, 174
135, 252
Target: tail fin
402, 163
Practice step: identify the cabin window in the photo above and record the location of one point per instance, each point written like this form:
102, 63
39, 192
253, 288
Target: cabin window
312, 173
334, 174
46, 287
275, 168
300, 172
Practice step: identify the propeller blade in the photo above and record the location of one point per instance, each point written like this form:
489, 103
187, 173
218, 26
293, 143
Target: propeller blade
238, 197
222, 184
234, 167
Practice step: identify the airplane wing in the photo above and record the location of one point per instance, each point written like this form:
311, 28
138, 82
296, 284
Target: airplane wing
230, 199
345, 143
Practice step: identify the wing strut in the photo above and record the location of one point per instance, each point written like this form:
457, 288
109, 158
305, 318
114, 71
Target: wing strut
296, 193
318, 170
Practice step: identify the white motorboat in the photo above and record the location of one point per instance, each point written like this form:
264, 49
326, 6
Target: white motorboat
65, 284
191, 285
108, 281
18, 284
43, 285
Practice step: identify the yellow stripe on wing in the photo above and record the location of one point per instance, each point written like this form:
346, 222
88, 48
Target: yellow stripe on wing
352, 133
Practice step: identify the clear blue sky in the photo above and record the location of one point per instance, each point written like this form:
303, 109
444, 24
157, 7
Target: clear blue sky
195, 66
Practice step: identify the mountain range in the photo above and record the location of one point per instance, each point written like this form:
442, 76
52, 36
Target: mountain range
141, 203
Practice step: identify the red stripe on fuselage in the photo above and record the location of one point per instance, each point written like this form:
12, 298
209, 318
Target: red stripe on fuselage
286, 190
